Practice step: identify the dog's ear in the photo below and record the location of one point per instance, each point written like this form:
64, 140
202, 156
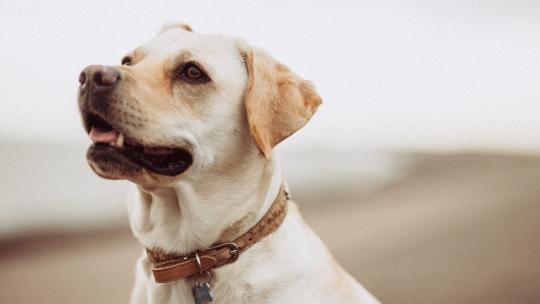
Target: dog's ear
277, 101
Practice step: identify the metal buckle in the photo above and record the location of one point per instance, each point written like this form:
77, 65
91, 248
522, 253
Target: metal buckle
234, 250
198, 260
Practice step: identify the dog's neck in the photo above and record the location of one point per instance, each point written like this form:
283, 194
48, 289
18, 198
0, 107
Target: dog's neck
197, 212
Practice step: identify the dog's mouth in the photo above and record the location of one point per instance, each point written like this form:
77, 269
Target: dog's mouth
110, 145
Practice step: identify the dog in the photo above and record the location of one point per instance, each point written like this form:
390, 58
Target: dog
191, 119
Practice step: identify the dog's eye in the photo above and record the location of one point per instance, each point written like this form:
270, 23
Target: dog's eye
126, 60
192, 73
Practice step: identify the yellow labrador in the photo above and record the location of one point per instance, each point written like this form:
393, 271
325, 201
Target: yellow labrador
191, 119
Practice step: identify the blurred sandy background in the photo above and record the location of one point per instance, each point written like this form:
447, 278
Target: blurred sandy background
421, 172
441, 228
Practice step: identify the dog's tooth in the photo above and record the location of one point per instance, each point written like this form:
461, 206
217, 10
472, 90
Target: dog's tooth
120, 141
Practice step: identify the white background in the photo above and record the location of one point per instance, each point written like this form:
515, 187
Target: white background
393, 74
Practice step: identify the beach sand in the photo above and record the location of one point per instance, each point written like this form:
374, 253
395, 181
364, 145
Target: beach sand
459, 228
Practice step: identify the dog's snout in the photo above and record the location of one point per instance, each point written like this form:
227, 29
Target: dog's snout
99, 76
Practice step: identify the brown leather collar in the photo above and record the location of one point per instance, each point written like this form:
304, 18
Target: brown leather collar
168, 267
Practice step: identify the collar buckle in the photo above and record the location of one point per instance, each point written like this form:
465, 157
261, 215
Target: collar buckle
234, 250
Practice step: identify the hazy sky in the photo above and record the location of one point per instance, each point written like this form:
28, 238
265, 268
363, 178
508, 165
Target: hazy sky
398, 74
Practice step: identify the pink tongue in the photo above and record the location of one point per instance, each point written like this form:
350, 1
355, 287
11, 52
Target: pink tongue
103, 137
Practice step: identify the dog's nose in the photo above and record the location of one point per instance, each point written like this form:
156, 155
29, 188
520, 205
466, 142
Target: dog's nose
99, 76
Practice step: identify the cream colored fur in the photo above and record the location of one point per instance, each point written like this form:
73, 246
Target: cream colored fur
234, 178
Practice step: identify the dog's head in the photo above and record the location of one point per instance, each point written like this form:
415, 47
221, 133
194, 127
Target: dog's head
186, 102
